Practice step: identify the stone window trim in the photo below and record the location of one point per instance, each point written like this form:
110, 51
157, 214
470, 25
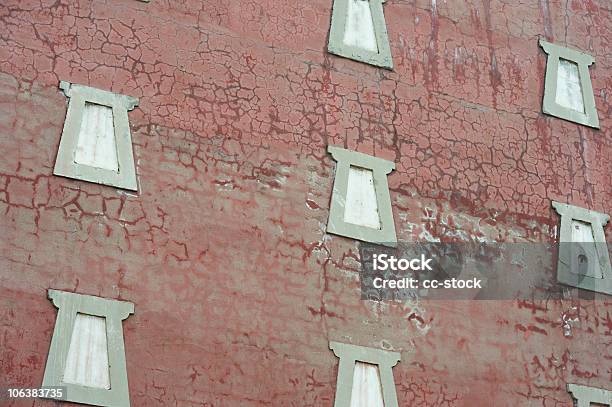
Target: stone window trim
114, 311
351, 354
336, 45
65, 164
550, 106
380, 168
597, 221
585, 395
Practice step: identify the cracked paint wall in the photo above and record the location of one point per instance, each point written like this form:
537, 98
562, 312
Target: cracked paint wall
236, 286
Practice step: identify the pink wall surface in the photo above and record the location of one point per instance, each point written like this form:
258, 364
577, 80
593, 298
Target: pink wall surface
237, 288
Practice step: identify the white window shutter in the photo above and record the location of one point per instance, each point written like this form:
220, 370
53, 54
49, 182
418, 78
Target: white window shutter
96, 146
87, 361
367, 390
361, 204
359, 31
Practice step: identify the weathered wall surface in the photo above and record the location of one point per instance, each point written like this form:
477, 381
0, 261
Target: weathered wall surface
237, 288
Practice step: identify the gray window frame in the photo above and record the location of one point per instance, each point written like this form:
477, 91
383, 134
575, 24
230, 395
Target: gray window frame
585, 395
549, 105
336, 45
65, 165
380, 168
351, 354
69, 305
598, 221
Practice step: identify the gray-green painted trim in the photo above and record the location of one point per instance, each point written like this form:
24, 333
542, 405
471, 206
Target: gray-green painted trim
337, 46
586, 395
69, 304
65, 165
380, 168
550, 106
598, 221
349, 355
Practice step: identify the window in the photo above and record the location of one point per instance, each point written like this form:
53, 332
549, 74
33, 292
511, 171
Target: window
96, 144
568, 93
360, 204
87, 353
87, 360
365, 376
584, 261
358, 31
585, 395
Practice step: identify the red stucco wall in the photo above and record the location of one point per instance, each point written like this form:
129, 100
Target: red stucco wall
223, 251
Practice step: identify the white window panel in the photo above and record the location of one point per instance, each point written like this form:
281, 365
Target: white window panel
361, 205
87, 361
359, 31
96, 146
582, 232
569, 92
367, 390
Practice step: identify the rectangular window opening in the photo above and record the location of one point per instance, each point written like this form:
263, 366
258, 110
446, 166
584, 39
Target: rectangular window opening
87, 360
367, 387
361, 206
96, 145
582, 232
569, 89
585, 260
359, 30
